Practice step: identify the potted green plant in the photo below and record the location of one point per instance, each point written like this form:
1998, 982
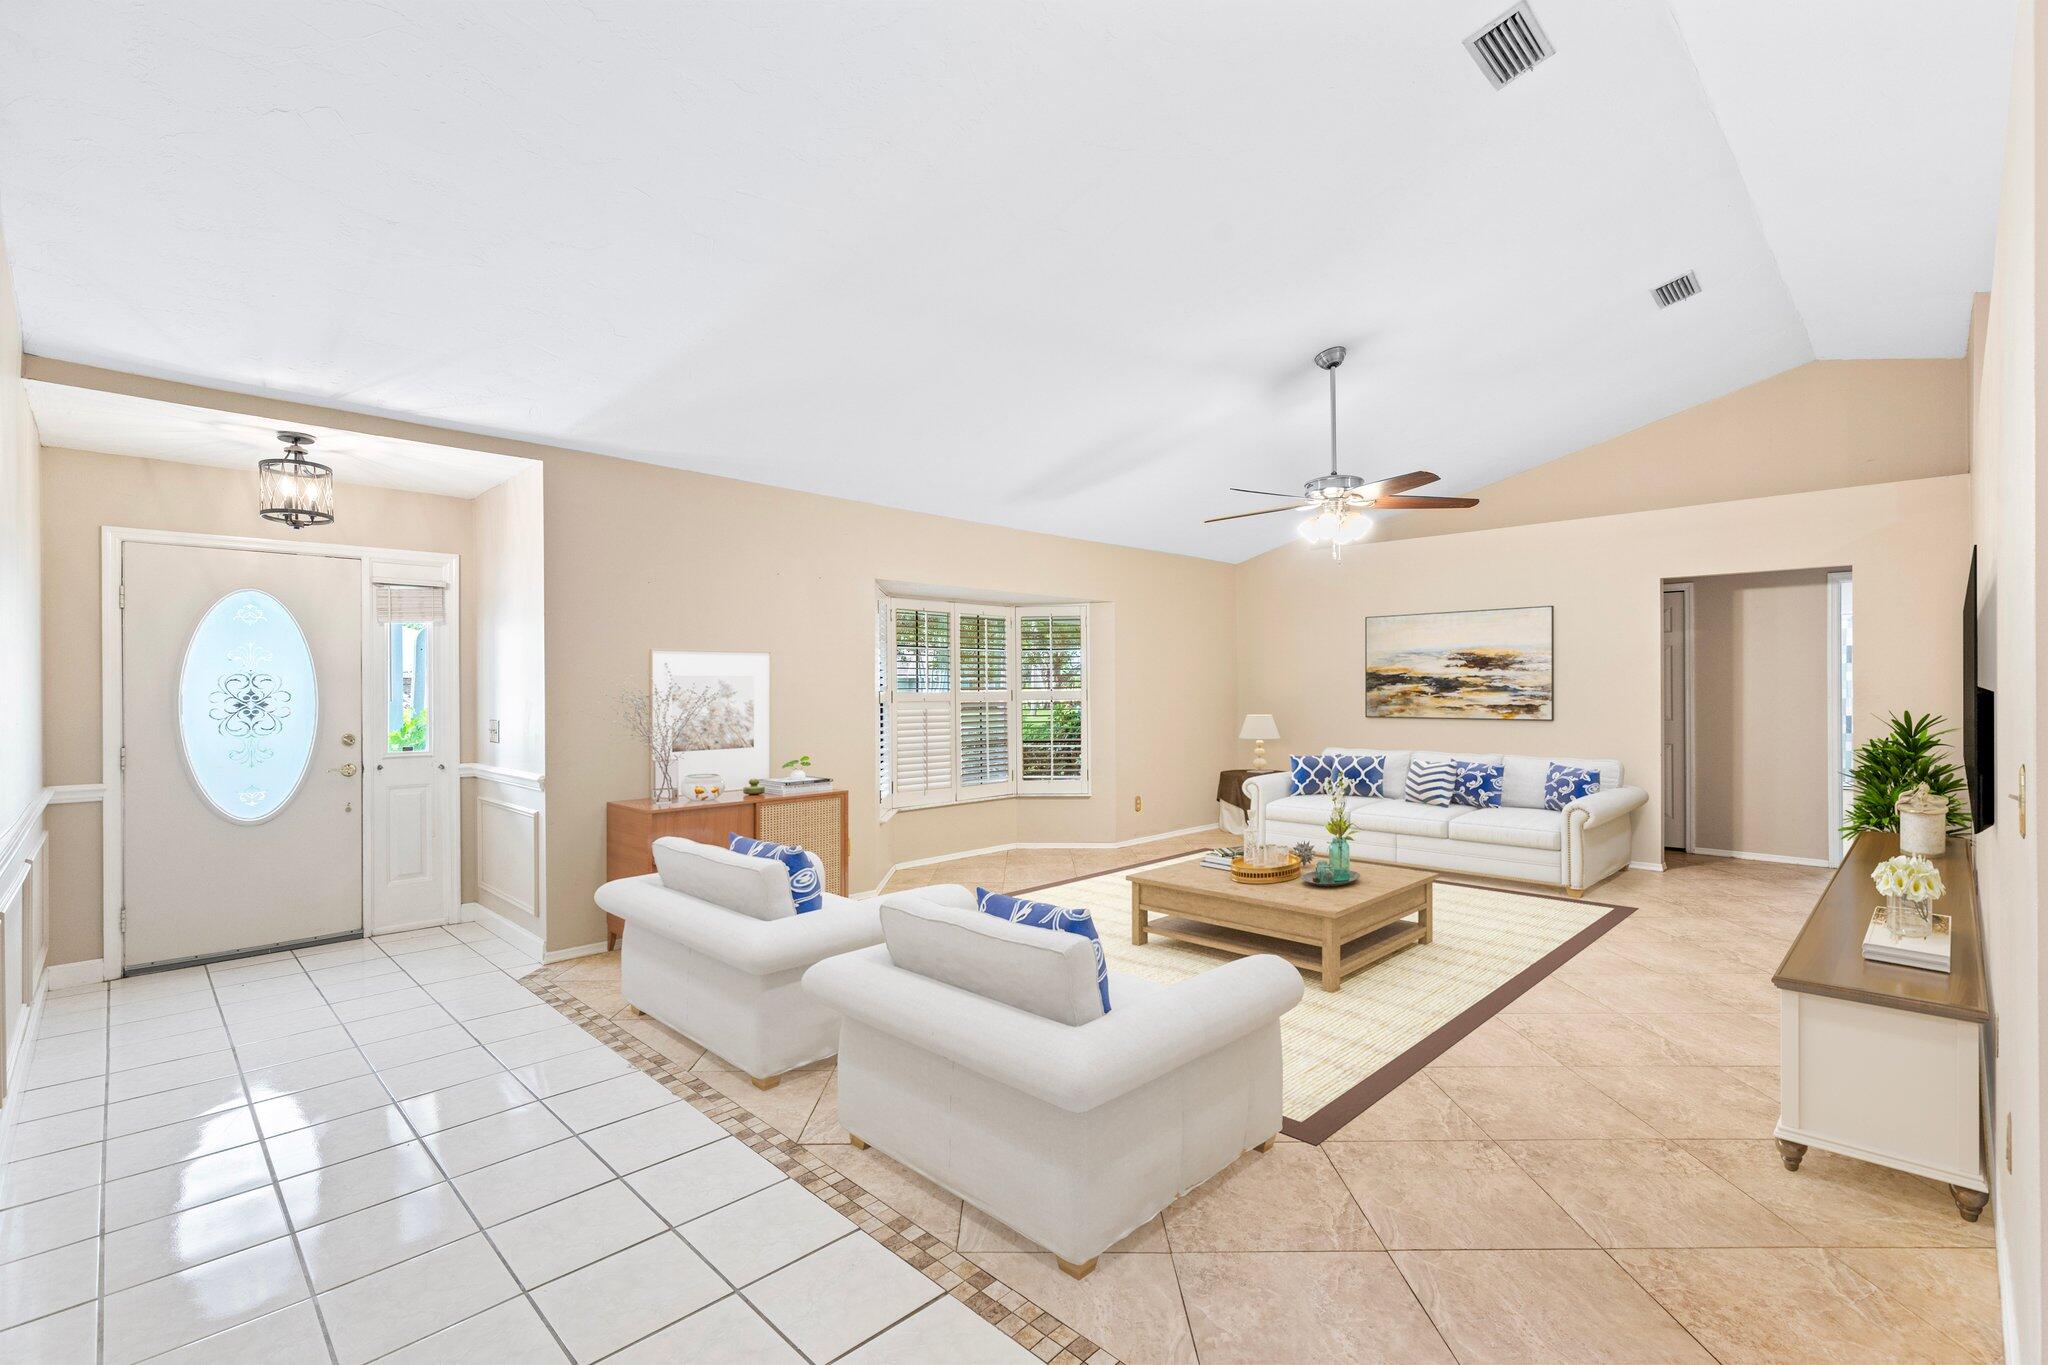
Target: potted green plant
1339, 828
1907, 755
800, 766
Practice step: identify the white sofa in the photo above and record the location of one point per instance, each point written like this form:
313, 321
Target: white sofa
975, 1052
1574, 848
714, 949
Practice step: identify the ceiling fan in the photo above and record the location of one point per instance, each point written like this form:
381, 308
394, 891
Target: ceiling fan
1340, 501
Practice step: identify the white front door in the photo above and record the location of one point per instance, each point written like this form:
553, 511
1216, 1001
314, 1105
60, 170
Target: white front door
1677, 713
241, 703
412, 777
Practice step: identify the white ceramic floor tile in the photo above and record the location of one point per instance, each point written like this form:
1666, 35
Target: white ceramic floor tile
464, 1102
438, 1073
358, 1183
185, 1021
48, 1281
145, 1051
138, 1082
326, 1144
571, 1233
70, 1336
27, 1229
397, 1023
71, 1025
728, 1332
164, 1246
388, 1054
628, 1295
179, 1142
263, 968
836, 1298
174, 1106
40, 1137
44, 1071
67, 1098
41, 1177
512, 1023
292, 1047
486, 1141
444, 964
400, 1305
370, 1239
289, 1078
166, 1313
415, 941
477, 996
621, 1097
391, 999
330, 954
528, 1048
693, 1184
321, 1104
530, 1180
287, 1336
510, 1334
262, 1027
578, 1069
158, 1193
656, 1135
127, 1010
764, 1232
946, 1330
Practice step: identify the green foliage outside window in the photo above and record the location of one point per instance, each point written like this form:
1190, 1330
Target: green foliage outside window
411, 736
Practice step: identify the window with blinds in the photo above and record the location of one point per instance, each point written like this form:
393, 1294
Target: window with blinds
977, 701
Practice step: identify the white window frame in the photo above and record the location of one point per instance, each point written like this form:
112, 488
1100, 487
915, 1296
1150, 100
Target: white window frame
1012, 695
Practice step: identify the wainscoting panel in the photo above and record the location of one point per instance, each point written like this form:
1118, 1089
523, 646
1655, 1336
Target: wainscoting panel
508, 844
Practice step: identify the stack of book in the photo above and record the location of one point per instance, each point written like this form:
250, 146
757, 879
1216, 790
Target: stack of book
1220, 857
1930, 952
788, 786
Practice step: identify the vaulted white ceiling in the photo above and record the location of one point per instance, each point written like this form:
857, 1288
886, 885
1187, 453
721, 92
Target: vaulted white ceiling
1051, 266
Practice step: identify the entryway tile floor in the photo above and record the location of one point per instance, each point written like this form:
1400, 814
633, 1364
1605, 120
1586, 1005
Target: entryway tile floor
396, 1150
392, 1150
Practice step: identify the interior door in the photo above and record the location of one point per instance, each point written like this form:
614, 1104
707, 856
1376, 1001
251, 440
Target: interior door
1677, 757
241, 702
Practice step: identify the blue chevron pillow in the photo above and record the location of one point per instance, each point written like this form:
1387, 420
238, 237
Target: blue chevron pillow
1041, 915
1432, 784
1479, 784
805, 887
1564, 784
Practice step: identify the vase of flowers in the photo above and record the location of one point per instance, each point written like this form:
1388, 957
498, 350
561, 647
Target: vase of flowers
656, 719
1339, 828
1910, 885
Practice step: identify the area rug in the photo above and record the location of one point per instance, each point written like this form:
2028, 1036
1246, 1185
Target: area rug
1344, 1050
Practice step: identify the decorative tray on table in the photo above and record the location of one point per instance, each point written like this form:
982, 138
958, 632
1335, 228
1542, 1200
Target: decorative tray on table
1316, 878
1285, 870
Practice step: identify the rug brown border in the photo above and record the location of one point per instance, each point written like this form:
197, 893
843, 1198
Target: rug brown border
1320, 1126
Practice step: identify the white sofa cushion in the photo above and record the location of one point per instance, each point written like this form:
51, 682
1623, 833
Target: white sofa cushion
1523, 785
1512, 826
755, 887
1300, 810
1045, 971
1401, 817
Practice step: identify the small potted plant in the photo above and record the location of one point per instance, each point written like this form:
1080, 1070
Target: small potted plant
798, 767
1338, 827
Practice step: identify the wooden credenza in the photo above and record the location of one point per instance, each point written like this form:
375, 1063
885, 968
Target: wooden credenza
1886, 1063
816, 820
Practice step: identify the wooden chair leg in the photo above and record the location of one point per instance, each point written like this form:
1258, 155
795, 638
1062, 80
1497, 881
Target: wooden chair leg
769, 1084
858, 1145
1081, 1271
1267, 1145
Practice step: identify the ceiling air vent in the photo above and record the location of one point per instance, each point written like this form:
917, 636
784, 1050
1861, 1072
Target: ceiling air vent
1509, 46
1678, 290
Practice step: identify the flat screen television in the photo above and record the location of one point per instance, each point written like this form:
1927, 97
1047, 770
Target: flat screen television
1978, 750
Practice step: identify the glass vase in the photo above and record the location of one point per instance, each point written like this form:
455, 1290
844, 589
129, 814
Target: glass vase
1340, 859
1908, 918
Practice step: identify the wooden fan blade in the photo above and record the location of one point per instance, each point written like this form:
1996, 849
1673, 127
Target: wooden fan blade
1398, 502
1262, 512
1267, 493
1400, 483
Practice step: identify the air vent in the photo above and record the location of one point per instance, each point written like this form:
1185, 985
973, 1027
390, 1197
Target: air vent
1509, 46
1678, 290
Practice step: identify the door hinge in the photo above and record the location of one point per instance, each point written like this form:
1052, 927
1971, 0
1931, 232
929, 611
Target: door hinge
124, 919
124, 594
124, 758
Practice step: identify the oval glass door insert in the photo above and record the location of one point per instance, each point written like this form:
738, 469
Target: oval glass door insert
248, 706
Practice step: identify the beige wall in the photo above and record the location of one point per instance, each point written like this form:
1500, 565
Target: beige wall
1760, 761
1829, 424
1301, 646
21, 756
83, 492
503, 821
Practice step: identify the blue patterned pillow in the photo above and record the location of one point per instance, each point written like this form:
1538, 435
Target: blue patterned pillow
1040, 915
1307, 774
1367, 773
805, 888
1311, 774
1563, 785
1479, 784
1432, 784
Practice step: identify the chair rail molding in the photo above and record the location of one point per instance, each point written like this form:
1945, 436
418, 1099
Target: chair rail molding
504, 777
78, 794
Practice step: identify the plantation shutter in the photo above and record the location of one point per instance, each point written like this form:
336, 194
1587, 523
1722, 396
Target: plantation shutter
984, 700
921, 764
1052, 700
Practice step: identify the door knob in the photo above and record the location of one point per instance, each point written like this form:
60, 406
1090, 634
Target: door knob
346, 770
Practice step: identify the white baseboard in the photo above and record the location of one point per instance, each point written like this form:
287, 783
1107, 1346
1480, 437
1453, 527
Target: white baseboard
587, 950
65, 975
520, 937
894, 868
1762, 857
1646, 867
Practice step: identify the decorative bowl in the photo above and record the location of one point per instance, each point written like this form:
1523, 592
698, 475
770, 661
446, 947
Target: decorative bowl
702, 786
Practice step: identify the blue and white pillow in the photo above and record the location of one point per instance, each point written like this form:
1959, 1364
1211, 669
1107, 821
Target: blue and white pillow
805, 888
1479, 784
1433, 784
1042, 915
1311, 774
1564, 784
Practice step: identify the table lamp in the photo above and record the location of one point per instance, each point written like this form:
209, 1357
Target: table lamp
1259, 729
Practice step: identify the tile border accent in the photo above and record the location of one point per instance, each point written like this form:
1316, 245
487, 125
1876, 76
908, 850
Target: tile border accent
1023, 1321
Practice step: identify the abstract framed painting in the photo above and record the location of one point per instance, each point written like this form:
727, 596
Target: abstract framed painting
1461, 665
724, 701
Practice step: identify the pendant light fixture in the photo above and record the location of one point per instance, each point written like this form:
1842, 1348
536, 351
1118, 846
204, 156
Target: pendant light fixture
294, 489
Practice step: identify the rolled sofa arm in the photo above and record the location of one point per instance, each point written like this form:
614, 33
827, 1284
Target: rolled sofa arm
1603, 806
1261, 789
1075, 1068
761, 947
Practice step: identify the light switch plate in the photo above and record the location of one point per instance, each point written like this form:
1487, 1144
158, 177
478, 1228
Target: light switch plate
494, 732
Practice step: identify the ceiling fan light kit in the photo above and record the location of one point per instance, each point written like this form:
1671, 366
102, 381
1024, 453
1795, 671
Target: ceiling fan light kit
1340, 502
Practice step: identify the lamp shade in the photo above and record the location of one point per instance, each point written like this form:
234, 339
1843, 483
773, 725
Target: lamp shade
1257, 726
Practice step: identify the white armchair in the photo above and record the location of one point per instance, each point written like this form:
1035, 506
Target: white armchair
1073, 1134
714, 949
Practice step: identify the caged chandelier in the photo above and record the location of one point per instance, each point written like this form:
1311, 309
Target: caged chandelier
294, 489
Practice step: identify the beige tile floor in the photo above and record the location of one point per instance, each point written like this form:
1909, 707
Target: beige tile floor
1588, 1177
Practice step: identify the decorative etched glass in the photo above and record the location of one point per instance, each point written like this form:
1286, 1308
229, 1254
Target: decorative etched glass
248, 706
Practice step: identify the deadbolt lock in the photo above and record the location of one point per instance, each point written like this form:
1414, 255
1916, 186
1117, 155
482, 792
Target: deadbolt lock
348, 741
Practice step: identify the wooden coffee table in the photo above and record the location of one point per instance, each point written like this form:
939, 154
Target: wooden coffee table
1333, 931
